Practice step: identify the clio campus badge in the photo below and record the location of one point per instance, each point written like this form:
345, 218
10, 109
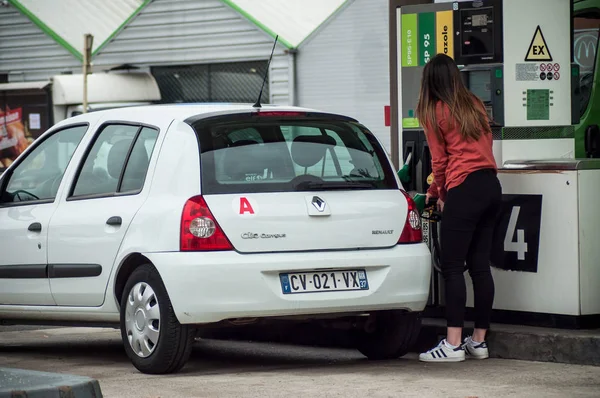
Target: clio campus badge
317, 206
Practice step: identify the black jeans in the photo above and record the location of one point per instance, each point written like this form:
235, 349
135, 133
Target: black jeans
467, 231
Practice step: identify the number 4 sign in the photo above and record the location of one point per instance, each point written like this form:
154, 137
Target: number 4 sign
520, 246
517, 233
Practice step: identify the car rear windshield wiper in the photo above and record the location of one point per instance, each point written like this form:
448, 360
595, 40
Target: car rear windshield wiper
310, 185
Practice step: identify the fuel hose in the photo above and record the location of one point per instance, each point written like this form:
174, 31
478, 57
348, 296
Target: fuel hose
432, 216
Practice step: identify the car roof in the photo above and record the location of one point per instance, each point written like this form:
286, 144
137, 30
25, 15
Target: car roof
181, 112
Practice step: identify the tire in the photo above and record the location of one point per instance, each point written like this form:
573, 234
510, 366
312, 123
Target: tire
169, 343
394, 334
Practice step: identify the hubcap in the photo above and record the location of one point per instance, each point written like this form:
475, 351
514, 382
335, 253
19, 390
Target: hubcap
142, 319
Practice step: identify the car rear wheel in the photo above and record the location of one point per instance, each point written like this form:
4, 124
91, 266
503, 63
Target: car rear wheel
154, 340
389, 334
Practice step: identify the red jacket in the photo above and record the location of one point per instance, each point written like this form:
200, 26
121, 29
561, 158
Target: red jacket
454, 159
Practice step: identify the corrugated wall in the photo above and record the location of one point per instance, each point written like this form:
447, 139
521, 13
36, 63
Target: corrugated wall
344, 66
27, 53
179, 32
166, 32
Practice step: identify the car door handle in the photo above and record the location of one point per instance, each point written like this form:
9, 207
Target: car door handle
35, 227
114, 221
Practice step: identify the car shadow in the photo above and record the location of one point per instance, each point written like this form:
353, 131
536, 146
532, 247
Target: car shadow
213, 357
224, 355
208, 357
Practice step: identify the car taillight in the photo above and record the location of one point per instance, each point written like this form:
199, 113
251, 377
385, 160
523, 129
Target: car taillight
412, 232
199, 228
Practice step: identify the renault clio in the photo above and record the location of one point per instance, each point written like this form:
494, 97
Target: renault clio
166, 219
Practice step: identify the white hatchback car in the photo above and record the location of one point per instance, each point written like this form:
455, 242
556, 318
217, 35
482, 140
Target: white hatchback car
165, 219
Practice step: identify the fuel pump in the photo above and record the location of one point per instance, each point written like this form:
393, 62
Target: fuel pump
518, 57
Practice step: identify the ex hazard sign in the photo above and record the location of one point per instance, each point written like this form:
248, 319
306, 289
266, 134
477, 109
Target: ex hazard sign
538, 49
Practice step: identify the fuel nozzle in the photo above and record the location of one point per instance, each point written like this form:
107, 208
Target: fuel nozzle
431, 212
404, 172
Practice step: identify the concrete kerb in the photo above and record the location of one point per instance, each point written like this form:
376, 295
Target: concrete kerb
20, 383
580, 347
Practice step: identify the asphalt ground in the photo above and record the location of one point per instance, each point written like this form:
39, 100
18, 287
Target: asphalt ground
246, 369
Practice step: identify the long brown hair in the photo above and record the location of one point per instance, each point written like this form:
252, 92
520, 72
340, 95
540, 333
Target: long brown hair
441, 81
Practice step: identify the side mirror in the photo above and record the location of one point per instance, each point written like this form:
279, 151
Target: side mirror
592, 141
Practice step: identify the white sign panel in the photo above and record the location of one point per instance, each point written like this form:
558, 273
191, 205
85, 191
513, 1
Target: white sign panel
537, 81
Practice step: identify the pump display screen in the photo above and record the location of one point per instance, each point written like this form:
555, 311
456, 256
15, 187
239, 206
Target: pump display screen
479, 82
479, 20
477, 32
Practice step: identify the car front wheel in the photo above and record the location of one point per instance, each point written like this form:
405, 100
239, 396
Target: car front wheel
390, 335
154, 339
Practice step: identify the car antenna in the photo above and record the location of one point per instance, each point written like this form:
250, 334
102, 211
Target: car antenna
257, 104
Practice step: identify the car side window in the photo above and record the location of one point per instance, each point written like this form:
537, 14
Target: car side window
137, 165
38, 176
117, 162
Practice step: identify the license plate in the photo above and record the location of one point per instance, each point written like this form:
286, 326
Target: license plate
324, 281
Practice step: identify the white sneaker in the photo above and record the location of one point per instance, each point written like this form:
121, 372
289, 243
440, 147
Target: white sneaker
476, 350
443, 353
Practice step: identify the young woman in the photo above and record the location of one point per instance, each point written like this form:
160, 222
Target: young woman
469, 194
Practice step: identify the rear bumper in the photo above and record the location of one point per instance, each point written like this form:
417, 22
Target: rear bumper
210, 287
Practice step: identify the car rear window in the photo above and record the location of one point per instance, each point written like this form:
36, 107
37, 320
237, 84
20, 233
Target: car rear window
264, 154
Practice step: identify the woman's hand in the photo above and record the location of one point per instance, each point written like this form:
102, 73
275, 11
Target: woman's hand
440, 202
428, 197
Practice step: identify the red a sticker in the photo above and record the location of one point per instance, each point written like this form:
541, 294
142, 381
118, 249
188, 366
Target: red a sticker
245, 206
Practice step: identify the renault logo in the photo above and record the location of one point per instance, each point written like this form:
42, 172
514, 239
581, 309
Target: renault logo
319, 204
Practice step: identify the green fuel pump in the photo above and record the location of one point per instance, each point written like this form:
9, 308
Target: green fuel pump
404, 175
